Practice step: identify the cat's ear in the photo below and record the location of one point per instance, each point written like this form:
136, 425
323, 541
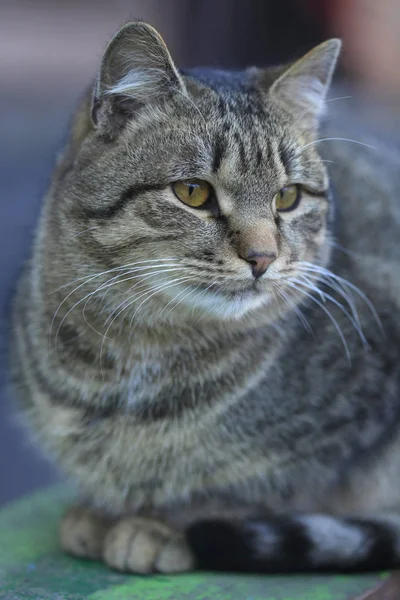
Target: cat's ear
302, 88
136, 70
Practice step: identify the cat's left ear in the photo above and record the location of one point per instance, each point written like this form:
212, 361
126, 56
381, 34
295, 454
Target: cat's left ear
136, 71
302, 88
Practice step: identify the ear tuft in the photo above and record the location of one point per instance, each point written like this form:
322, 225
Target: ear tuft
136, 69
302, 88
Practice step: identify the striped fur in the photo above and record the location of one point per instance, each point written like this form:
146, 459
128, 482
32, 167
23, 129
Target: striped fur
309, 543
165, 381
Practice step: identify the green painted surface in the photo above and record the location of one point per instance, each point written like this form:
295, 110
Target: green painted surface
32, 567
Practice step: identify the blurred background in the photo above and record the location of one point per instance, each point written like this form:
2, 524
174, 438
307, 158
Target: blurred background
49, 53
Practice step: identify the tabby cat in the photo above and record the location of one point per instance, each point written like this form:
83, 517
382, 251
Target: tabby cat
207, 334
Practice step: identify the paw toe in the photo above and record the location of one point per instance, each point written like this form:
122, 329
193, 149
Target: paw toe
82, 533
145, 546
175, 557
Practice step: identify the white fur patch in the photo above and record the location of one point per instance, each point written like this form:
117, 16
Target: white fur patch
334, 540
266, 540
139, 83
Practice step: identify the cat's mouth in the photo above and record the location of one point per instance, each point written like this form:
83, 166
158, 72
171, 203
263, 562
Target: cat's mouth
234, 290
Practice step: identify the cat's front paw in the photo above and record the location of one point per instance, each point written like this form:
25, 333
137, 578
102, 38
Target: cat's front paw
82, 532
140, 545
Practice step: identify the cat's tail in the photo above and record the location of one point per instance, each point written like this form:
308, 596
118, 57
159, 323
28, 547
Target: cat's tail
295, 544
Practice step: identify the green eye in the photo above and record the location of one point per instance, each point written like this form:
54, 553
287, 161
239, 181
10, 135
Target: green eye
287, 198
193, 192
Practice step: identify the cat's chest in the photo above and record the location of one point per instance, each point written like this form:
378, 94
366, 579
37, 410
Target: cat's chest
195, 377
255, 422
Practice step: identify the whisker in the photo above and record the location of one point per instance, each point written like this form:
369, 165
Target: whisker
87, 280
320, 160
88, 296
135, 298
186, 97
129, 301
317, 269
312, 287
278, 299
351, 318
199, 295
328, 313
296, 310
342, 249
58, 309
79, 234
338, 288
338, 98
142, 279
338, 139
174, 300
108, 285
158, 289
122, 267
325, 102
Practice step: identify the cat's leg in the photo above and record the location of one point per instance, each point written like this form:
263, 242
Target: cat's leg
82, 532
142, 545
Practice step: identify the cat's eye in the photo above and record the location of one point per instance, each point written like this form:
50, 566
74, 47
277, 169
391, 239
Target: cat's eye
287, 198
193, 192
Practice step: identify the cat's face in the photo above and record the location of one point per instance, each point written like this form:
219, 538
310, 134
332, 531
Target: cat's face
207, 196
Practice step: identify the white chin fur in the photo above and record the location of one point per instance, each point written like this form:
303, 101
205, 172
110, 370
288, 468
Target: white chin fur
214, 304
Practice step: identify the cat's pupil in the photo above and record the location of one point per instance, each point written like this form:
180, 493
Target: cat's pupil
191, 189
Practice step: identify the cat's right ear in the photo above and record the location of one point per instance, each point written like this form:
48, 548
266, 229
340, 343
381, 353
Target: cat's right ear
136, 70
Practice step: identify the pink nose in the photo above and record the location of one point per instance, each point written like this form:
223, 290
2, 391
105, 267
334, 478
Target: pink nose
259, 262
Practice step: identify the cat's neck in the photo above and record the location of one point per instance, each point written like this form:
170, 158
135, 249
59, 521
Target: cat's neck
141, 341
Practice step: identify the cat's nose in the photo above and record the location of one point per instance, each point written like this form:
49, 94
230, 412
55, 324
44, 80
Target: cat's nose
259, 262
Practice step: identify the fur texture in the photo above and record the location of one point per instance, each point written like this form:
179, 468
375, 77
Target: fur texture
258, 416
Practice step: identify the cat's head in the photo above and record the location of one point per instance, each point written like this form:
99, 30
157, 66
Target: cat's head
199, 191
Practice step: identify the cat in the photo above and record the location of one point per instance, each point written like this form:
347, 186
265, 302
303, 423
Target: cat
206, 338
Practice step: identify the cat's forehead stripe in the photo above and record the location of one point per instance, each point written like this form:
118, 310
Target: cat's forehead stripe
219, 151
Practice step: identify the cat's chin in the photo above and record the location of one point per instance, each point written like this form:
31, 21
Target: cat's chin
232, 306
